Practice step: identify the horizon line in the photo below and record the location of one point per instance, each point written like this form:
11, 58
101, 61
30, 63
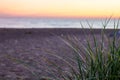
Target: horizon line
62, 17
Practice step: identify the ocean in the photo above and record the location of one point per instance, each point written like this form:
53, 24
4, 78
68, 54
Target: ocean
54, 23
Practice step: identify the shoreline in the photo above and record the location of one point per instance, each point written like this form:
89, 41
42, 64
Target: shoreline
55, 30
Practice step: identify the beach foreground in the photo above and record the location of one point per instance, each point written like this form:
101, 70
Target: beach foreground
20, 48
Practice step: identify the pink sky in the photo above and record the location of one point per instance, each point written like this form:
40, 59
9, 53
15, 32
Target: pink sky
60, 8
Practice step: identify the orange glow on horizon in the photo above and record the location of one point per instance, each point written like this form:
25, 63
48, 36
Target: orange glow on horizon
60, 8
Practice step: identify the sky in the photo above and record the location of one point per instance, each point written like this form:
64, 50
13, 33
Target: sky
60, 8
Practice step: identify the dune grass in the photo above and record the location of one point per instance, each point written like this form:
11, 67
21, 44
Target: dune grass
101, 62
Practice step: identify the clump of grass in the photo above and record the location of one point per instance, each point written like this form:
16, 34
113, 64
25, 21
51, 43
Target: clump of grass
101, 62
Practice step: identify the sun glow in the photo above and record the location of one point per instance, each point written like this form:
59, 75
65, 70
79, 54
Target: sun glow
60, 8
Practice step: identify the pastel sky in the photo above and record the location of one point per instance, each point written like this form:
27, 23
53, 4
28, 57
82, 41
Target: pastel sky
60, 8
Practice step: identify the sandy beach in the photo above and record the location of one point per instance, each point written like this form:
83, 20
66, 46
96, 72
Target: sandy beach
36, 47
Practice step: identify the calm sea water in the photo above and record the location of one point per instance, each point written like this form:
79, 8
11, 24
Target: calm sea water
53, 23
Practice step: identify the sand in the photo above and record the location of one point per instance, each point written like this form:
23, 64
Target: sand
20, 48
